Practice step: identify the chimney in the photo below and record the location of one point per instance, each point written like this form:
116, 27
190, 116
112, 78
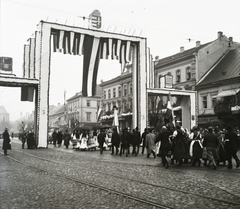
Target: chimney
182, 49
230, 41
220, 34
198, 43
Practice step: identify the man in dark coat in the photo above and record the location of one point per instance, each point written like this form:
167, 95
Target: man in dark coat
138, 139
54, 137
125, 139
59, 138
6, 141
30, 140
101, 139
211, 142
115, 141
24, 138
67, 138
163, 137
134, 142
144, 139
231, 146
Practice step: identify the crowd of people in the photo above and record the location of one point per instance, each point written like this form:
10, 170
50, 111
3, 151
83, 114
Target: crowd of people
174, 145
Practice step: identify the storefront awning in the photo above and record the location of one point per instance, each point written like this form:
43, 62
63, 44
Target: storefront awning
227, 93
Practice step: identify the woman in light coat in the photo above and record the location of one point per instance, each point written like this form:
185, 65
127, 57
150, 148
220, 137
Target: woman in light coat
150, 143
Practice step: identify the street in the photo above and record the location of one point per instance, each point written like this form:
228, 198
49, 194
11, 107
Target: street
57, 177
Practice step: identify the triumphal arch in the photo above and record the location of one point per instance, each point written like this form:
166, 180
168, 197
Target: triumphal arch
93, 45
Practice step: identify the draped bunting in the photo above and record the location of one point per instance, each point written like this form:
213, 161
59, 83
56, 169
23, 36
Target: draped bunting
93, 49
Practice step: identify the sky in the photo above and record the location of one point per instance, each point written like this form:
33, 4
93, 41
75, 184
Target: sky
167, 25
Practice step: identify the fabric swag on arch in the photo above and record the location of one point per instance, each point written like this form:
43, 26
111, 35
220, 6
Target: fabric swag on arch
93, 49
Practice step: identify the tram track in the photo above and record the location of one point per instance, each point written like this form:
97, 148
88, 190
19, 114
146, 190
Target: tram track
123, 178
76, 180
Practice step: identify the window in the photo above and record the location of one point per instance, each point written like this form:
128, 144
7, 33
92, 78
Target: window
109, 107
119, 91
159, 82
104, 95
130, 105
124, 90
88, 103
204, 101
114, 92
109, 93
130, 89
124, 107
214, 101
178, 76
88, 116
188, 73
98, 103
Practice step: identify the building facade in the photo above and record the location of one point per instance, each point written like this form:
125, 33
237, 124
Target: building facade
82, 111
189, 66
219, 91
57, 117
117, 92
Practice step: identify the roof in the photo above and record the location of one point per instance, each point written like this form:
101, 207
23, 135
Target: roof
179, 56
57, 110
3, 110
226, 68
79, 94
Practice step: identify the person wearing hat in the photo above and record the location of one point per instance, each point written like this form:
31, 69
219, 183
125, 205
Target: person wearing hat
165, 146
6, 141
231, 147
101, 139
143, 139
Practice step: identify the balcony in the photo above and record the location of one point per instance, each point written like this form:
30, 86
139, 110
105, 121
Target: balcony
225, 107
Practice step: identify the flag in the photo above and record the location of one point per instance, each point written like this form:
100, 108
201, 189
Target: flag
169, 113
25, 127
90, 65
115, 118
99, 113
27, 94
93, 49
157, 103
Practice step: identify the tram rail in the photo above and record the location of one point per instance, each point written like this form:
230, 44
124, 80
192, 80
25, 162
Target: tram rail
126, 179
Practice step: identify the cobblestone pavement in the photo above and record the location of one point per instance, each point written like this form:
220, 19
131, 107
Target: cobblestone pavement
24, 186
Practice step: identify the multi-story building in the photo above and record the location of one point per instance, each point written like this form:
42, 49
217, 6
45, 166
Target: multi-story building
219, 91
117, 92
57, 117
188, 66
82, 111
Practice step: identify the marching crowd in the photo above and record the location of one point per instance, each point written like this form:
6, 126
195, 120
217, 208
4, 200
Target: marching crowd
175, 145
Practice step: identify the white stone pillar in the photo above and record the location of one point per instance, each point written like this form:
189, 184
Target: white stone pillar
44, 79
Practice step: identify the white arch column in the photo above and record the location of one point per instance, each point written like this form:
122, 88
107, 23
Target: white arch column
44, 79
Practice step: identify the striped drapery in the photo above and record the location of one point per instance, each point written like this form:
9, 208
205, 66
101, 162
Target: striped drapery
93, 49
